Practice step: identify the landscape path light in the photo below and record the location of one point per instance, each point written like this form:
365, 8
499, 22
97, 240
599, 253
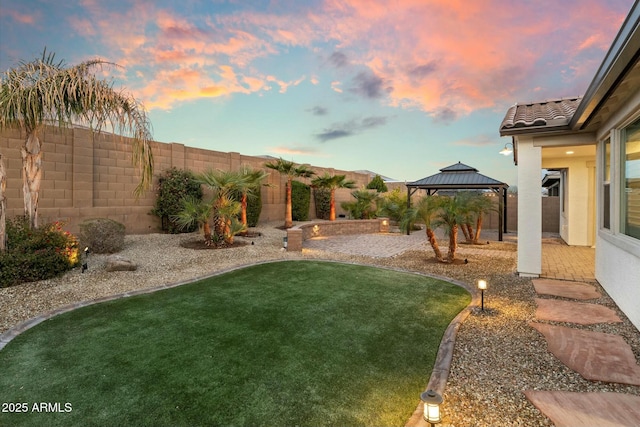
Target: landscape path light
432, 402
284, 242
482, 285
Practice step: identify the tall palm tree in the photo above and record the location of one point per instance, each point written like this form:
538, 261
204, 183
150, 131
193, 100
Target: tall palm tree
43, 92
424, 210
3, 207
332, 183
290, 170
252, 182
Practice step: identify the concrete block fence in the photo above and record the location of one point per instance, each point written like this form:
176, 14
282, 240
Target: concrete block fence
90, 176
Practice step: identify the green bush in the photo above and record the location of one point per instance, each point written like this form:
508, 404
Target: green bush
39, 254
393, 205
173, 186
254, 209
322, 198
102, 235
377, 184
300, 201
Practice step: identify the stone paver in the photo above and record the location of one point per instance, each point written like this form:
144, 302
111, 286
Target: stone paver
594, 355
561, 261
566, 289
570, 409
384, 245
574, 312
380, 245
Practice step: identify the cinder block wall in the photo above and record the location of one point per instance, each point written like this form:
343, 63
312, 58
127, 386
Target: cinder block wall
90, 176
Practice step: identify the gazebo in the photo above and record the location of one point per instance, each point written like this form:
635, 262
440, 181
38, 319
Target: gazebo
462, 177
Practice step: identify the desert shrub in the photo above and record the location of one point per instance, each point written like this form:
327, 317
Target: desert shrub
254, 209
173, 186
363, 206
393, 205
102, 235
322, 198
37, 254
300, 201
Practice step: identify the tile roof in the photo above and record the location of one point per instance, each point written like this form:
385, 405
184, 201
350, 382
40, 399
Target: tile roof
458, 176
545, 114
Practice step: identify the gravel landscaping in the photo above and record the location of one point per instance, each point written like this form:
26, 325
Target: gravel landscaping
497, 354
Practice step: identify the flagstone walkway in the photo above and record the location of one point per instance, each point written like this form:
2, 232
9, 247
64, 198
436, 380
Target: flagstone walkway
596, 356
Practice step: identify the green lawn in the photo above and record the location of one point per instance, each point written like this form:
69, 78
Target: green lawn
286, 343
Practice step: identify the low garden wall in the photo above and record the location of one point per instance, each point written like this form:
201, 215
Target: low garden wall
298, 234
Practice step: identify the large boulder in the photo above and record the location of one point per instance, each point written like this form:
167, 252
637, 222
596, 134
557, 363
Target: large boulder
119, 263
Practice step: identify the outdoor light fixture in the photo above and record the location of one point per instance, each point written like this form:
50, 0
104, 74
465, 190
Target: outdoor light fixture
506, 150
85, 265
284, 242
432, 402
482, 285
316, 230
385, 222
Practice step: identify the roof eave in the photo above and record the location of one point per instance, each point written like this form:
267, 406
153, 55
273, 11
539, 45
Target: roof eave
620, 58
538, 130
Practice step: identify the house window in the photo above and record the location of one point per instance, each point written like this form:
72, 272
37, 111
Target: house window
606, 190
630, 170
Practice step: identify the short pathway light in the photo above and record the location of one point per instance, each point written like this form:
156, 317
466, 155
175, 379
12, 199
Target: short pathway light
432, 402
85, 265
285, 242
482, 285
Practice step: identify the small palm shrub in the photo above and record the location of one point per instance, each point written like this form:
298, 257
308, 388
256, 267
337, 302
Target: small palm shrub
363, 206
102, 235
393, 205
36, 254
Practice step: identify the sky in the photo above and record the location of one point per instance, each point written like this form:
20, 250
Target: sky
402, 88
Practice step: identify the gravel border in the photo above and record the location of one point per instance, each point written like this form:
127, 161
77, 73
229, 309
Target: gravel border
496, 354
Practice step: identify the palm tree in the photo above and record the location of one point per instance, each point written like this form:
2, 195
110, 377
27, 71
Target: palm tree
449, 216
223, 184
424, 210
195, 212
42, 92
362, 207
252, 182
290, 170
466, 199
481, 205
332, 183
3, 207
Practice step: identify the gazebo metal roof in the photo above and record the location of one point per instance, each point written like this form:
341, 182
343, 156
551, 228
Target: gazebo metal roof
463, 177
458, 177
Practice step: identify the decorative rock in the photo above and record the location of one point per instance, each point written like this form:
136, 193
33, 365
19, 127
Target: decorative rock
119, 263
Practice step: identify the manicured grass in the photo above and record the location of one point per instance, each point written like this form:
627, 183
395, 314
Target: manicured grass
287, 343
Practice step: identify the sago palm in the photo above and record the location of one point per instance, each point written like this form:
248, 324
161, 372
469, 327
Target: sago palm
332, 183
45, 92
290, 170
424, 210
